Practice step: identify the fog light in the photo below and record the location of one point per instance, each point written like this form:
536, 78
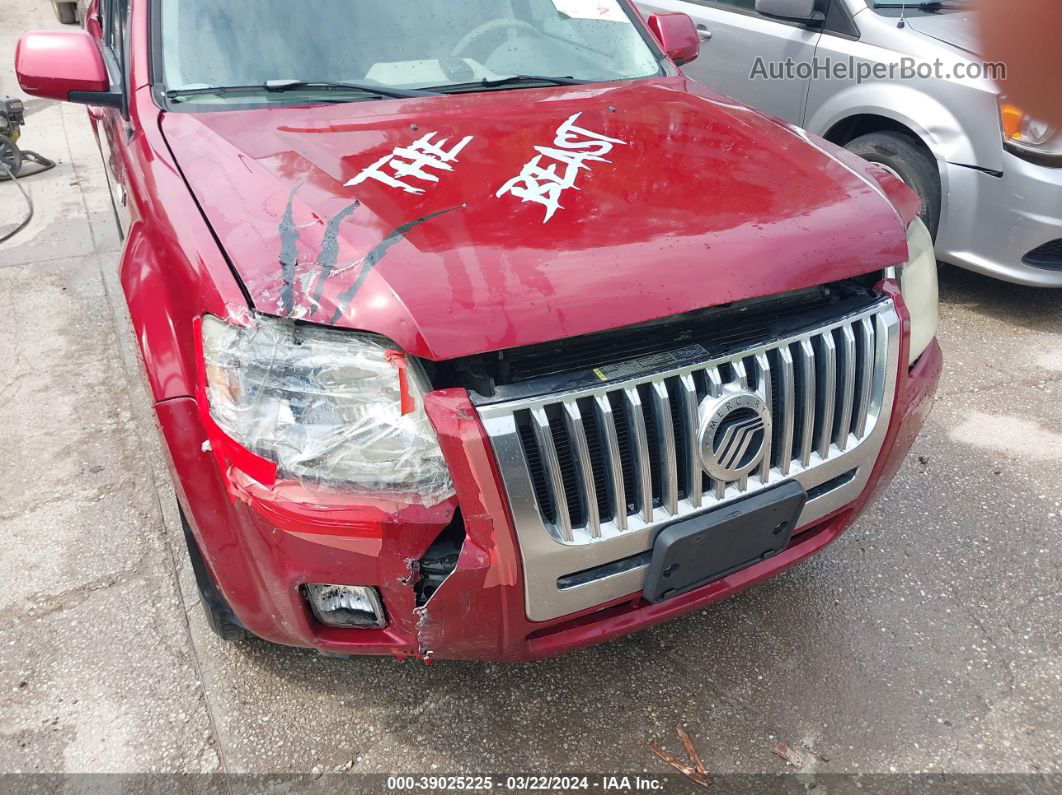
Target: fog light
356, 606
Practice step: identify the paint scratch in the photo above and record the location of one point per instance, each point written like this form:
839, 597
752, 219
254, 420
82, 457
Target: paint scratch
289, 253
377, 254
330, 251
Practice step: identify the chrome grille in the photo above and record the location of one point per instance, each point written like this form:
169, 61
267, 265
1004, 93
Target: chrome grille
602, 459
596, 471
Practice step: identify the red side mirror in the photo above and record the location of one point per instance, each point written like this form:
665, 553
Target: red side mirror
677, 35
64, 65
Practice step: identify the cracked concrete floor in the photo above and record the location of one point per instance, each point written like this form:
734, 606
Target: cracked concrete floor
927, 638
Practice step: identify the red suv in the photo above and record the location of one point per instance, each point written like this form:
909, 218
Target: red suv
476, 330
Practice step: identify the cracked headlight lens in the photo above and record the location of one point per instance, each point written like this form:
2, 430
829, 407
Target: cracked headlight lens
918, 283
326, 406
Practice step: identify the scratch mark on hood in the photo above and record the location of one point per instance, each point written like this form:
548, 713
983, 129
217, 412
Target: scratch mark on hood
289, 253
330, 251
377, 254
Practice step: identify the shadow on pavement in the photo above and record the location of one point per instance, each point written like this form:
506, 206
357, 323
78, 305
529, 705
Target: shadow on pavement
1033, 308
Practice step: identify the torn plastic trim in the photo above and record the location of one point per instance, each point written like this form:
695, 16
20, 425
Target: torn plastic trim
439, 561
487, 518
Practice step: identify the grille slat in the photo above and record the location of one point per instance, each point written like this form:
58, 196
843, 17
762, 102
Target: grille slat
584, 470
848, 373
786, 399
678, 424
715, 382
763, 365
544, 437
562, 443
809, 390
618, 403
595, 444
539, 480
715, 389
689, 405
827, 357
866, 376
614, 459
665, 434
636, 415
740, 374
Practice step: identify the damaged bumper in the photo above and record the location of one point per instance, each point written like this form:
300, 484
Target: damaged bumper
261, 550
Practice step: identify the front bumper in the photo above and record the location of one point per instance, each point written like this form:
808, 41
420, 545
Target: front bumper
260, 551
990, 223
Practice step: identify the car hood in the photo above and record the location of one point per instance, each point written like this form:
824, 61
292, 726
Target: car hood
959, 29
698, 201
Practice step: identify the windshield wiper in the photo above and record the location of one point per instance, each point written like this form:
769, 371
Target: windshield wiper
279, 86
372, 88
510, 80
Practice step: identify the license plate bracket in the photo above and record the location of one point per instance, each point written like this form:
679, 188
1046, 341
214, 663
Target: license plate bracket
696, 551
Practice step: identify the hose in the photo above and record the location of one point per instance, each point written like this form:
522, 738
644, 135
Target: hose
46, 165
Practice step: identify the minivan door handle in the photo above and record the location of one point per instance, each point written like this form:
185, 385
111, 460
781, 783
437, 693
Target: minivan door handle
704, 33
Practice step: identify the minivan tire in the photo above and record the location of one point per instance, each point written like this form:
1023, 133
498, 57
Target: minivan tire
907, 157
220, 618
66, 13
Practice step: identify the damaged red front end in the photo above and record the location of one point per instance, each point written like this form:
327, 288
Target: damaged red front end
505, 221
451, 575
266, 546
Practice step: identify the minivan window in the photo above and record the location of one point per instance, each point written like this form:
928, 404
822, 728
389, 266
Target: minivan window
917, 8
401, 44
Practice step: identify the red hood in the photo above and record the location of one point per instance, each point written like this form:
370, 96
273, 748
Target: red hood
705, 202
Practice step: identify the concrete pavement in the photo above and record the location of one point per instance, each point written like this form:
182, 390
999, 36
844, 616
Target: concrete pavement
927, 639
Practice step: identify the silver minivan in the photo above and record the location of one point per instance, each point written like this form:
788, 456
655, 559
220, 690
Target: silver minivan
902, 84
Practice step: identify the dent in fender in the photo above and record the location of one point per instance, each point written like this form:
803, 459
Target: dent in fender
148, 295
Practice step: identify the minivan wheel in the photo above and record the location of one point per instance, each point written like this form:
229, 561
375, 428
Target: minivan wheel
219, 615
66, 13
909, 160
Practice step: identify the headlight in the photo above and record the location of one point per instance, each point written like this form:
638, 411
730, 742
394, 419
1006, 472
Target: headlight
325, 406
918, 283
1029, 137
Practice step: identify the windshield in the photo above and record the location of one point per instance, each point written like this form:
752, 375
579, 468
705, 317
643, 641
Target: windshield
398, 44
